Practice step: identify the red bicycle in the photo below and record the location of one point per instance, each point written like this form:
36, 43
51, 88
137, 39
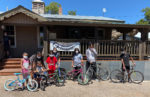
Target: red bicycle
82, 78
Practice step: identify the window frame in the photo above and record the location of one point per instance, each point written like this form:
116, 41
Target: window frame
38, 37
15, 42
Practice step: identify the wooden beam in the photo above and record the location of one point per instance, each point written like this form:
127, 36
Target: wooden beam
46, 43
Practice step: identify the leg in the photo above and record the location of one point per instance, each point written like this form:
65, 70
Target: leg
87, 65
95, 70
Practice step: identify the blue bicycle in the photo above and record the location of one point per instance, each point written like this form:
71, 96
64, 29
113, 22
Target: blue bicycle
11, 85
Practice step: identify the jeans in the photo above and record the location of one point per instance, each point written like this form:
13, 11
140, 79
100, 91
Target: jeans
93, 66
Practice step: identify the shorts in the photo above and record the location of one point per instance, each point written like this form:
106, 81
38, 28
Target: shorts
25, 73
127, 68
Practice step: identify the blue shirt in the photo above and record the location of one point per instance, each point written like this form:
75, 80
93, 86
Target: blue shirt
77, 59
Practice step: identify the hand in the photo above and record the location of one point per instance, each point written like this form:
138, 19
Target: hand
56, 66
82, 64
124, 68
134, 64
72, 65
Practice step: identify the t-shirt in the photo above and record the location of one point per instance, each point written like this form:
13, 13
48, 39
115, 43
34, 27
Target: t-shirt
91, 56
34, 58
51, 61
77, 59
125, 57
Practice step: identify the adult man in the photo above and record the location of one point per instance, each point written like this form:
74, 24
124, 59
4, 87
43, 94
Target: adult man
91, 55
6, 42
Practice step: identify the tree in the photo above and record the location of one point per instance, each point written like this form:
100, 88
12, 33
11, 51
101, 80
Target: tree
72, 12
146, 19
52, 8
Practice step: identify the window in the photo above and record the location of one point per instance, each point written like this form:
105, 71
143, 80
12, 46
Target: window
11, 34
40, 37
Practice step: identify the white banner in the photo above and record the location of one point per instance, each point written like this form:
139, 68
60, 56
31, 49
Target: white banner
62, 46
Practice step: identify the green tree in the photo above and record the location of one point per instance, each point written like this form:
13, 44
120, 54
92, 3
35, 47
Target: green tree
52, 8
146, 19
72, 12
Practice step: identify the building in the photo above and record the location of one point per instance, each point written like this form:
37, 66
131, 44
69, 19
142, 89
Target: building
31, 31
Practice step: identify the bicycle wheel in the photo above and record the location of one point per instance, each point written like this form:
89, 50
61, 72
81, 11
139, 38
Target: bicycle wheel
103, 74
83, 79
32, 85
10, 85
60, 80
136, 77
116, 76
43, 84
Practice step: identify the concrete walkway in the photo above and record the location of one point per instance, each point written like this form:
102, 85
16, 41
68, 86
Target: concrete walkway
72, 89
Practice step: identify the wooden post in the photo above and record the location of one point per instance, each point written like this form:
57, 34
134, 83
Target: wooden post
142, 45
124, 35
46, 43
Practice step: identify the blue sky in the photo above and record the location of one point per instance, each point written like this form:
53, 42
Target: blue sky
128, 10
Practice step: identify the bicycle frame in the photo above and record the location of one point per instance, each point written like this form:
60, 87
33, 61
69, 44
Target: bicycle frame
20, 81
76, 72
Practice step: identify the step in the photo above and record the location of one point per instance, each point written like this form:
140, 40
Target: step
7, 72
11, 62
10, 66
12, 59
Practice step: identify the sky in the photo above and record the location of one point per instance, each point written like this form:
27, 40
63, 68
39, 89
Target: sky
127, 10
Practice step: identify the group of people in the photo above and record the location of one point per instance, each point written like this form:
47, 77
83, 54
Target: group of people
37, 64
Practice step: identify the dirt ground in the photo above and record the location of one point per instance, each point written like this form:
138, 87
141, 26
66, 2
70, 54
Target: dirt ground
72, 89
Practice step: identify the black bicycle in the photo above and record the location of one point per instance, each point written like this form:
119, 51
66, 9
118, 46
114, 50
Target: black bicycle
101, 74
117, 76
58, 78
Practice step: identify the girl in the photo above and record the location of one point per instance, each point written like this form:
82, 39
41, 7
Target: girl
25, 67
77, 59
51, 61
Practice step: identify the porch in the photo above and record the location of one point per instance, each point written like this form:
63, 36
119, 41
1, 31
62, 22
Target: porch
108, 49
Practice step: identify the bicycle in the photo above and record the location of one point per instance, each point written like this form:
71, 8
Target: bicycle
136, 77
58, 79
82, 78
101, 74
11, 85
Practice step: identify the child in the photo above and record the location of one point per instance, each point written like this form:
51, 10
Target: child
25, 67
40, 69
51, 61
77, 60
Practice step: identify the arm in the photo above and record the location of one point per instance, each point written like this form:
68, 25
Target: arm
72, 63
87, 54
132, 61
94, 51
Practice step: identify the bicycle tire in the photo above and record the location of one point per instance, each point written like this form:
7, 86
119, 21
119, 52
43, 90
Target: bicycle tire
43, 84
83, 79
32, 85
60, 80
103, 74
9, 88
116, 76
136, 77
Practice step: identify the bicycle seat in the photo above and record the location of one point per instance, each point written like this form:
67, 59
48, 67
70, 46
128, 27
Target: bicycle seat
17, 74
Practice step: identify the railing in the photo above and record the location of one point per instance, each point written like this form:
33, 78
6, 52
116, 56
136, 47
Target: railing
104, 47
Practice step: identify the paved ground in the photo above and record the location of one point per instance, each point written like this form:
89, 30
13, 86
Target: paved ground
72, 89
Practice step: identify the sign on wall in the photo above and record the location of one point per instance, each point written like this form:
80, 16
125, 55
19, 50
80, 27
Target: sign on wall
62, 46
